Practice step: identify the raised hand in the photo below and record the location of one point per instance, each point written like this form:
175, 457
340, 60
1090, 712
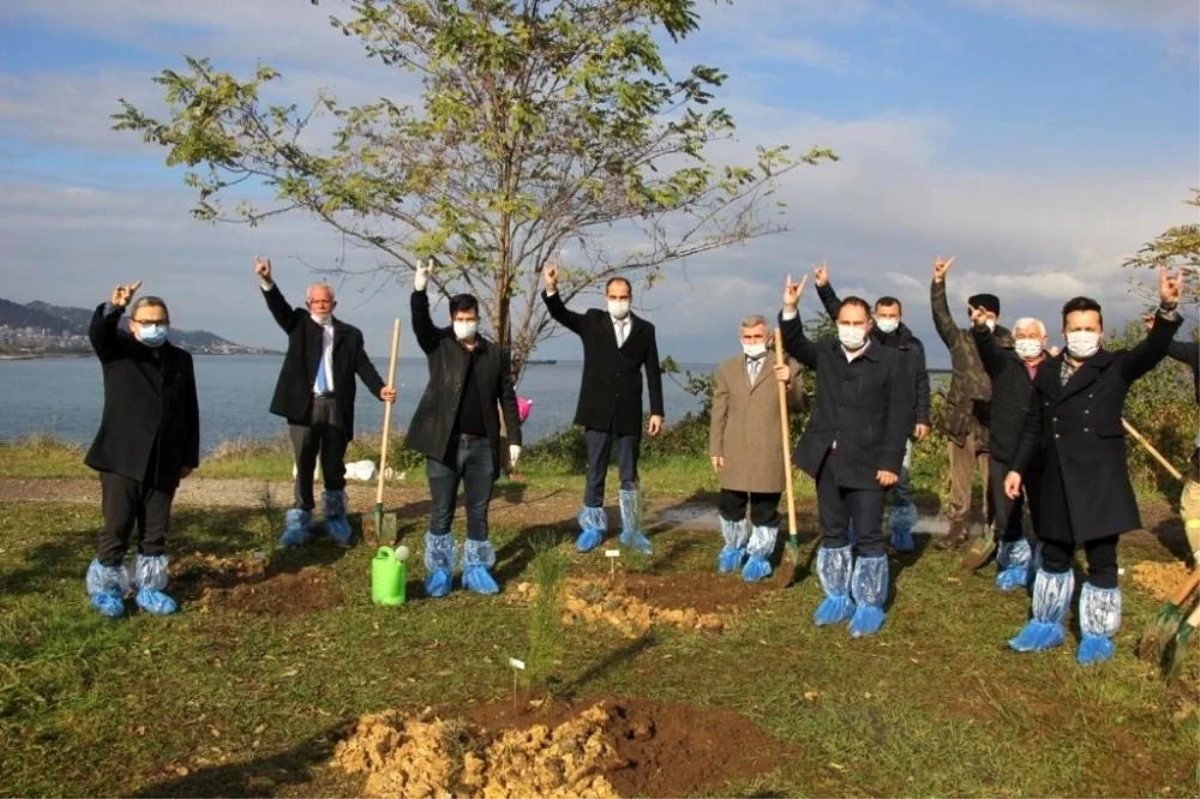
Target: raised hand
550, 276
1170, 286
421, 276
978, 316
792, 292
821, 274
124, 293
941, 267
262, 268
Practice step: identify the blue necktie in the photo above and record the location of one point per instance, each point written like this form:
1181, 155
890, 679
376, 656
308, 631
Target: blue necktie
322, 380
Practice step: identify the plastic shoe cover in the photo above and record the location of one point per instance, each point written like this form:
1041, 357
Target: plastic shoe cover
902, 518
735, 534
1051, 597
833, 570
1014, 559
478, 558
297, 524
869, 587
336, 523
638, 541
440, 552
902, 540
631, 536
106, 588
762, 544
150, 577
1099, 620
593, 524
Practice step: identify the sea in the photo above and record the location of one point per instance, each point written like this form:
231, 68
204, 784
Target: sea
63, 397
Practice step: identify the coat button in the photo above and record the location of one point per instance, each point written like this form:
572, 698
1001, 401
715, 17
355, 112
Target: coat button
1087, 411
1056, 435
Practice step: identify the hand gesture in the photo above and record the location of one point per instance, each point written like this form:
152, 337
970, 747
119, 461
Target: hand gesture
655, 426
978, 316
123, 294
262, 268
1012, 485
941, 267
821, 274
388, 394
718, 462
421, 276
1170, 286
886, 479
793, 291
550, 277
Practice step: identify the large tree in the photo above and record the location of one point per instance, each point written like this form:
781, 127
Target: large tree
542, 123
1178, 247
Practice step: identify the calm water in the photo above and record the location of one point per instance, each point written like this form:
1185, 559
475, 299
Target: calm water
63, 397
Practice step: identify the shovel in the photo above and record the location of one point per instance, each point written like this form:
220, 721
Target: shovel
387, 425
792, 549
1174, 654
1163, 628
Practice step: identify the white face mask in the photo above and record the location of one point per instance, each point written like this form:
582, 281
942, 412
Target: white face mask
618, 309
991, 324
464, 331
1083, 343
852, 337
887, 325
754, 351
1028, 348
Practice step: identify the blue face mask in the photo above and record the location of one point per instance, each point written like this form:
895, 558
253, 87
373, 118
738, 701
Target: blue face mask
153, 335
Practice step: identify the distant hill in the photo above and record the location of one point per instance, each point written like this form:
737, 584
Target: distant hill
60, 323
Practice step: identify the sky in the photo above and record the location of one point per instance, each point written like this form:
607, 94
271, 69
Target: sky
1040, 142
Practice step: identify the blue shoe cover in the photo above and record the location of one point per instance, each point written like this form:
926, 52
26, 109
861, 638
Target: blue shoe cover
631, 536
735, 534
762, 544
106, 588
150, 577
902, 540
336, 524
296, 527
833, 570
440, 552
869, 588
1013, 559
1051, 598
1099, 620
593, 523
637, 540
902, 518
478, 558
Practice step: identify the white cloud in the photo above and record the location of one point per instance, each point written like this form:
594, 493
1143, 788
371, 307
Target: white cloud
1164, 15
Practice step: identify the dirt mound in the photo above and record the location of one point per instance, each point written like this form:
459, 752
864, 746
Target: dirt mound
703, 592
253, 586
606, 749
1159, 578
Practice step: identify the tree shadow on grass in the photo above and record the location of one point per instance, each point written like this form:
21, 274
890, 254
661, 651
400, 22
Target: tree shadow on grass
260, 777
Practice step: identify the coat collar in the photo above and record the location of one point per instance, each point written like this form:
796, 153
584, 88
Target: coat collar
1087, 374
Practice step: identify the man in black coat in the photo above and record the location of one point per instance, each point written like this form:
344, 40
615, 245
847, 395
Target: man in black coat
1087, 499
457, 427
888, 330
315, 393
617, 346
1012, 371
854, 448
149, 440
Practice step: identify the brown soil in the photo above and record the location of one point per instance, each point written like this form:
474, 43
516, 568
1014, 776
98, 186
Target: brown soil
252, 586
1160, 579
593, 749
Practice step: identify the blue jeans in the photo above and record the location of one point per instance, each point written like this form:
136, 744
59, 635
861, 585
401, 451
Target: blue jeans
599, 449
473, 467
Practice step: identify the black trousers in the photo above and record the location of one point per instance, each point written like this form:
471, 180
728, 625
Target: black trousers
1008, 512
1101, 559
127, 504
321, 437
836, 506
599, 450
764, 507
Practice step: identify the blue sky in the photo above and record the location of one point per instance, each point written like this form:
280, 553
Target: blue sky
1041, 141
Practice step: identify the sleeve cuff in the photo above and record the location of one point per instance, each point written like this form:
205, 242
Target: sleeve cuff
109, 309
788, 316
551, 292
1170, 314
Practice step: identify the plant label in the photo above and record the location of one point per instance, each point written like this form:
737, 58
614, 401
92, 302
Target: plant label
516, 664
612, 553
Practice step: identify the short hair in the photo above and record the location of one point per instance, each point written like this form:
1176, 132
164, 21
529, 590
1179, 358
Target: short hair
888, 302
855, 301
611, 280
463, 303
754, 320
1081, 304
149, 301
1026, 321
322, 285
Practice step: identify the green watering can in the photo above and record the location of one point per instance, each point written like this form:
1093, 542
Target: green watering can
389, 574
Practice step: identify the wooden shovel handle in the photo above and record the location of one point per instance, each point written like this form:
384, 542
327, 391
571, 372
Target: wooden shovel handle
1186, 587
1158, 456
783, 427
387, 410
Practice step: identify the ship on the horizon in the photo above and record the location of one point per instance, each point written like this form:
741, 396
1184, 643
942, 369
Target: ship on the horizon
541, 362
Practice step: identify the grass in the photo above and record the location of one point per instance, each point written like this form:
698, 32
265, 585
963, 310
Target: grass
234, 704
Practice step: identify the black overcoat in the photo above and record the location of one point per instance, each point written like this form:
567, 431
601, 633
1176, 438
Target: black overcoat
865, 405
610, 393
150, 427
294, 388
1086, 493
433, 422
